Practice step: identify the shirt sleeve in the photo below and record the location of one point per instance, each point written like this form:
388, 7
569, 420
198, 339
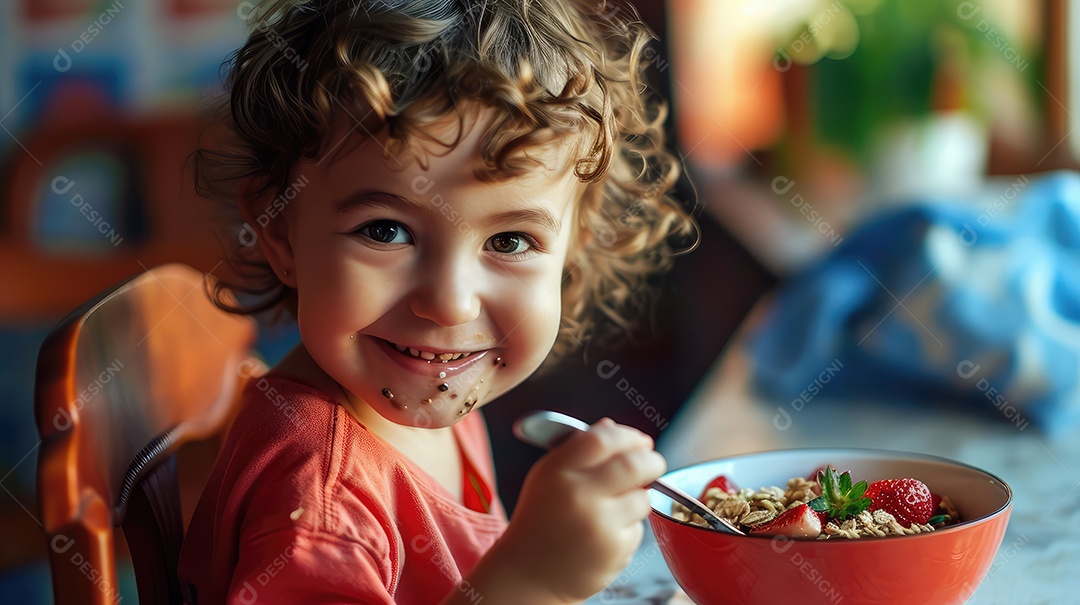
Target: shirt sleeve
305, 566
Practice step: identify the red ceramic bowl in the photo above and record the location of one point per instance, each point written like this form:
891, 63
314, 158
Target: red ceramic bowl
941, 567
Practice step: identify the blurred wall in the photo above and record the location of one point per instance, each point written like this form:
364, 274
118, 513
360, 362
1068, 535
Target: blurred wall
135, 55
96, 122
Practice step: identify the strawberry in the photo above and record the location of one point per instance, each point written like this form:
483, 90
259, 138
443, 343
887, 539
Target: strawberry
839, 499
909, 500
721, 482
814, 473
821, 470
797, 522
817, 487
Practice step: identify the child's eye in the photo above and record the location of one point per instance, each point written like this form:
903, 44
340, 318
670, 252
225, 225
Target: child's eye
386, 232
514, 244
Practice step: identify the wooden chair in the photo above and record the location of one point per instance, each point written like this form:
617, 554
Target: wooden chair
121, 384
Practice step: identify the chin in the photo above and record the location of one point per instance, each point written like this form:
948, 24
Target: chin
424, 418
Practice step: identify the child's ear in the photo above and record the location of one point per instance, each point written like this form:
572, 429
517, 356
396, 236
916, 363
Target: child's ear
272, 235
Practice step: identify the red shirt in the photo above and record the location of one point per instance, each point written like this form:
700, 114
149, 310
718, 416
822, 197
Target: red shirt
305, 505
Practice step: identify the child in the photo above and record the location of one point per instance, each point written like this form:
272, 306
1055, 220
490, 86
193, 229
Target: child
441, 192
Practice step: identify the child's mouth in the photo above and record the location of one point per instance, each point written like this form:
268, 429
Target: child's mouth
439, 361
428, 355
437, 384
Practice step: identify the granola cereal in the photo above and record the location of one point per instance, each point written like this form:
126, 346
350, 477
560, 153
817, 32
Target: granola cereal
842, 508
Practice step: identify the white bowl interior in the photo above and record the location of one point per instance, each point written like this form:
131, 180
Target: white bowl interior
974, 492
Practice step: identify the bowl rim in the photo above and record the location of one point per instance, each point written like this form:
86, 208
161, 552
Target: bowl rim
898, 454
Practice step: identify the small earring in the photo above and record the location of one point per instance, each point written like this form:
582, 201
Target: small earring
285, 272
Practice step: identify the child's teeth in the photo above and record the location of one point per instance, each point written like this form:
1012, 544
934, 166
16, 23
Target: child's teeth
427, 356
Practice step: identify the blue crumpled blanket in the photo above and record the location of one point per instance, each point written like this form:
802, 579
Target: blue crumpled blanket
977, 305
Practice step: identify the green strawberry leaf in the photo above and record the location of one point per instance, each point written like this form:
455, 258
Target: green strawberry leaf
839, 498
857, 490
938, 520
845, 482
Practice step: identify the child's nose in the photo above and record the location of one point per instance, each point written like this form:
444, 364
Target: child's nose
448, 296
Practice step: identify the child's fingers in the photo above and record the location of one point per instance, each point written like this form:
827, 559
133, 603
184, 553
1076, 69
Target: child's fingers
627, 470
604, 440
628, 508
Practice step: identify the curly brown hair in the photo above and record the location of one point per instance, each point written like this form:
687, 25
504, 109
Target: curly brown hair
553, 68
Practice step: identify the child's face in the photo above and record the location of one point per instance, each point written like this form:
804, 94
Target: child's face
386, 253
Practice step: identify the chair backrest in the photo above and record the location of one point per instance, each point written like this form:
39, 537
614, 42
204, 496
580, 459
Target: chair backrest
121, 383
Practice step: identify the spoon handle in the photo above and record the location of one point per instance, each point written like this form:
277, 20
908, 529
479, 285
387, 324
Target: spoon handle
695, 506
545, 429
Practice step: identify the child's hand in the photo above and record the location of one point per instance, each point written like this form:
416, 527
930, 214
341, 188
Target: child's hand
578, 519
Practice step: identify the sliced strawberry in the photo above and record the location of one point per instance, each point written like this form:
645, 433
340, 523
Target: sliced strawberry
798, 522
909, 500
935, 500
823, 516
721, 482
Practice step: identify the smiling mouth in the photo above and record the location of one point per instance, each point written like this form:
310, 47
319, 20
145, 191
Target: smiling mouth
428, 355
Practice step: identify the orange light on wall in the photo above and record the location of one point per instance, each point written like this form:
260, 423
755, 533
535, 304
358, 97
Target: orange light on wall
726, 90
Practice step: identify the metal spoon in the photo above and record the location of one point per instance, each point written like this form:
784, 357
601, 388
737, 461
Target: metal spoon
545, 429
